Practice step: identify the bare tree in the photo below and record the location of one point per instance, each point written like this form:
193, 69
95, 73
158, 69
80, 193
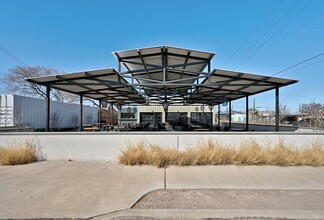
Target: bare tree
75, 120
15, 79
56, 120
89, 118
316, 113
283, 111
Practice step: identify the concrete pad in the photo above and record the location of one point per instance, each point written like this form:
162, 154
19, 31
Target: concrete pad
285, 177
148, 214
62, 189
226, 177
236, 177
264, 199
5, 167
189, 177
73, 189
314, 174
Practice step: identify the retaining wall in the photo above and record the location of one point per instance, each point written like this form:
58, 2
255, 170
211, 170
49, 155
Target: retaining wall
105, 145
261, 127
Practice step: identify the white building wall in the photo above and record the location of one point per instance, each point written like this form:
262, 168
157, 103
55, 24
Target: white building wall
31, 111
6, 110
173, 108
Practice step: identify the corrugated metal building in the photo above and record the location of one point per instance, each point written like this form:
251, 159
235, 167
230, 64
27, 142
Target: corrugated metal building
18, 110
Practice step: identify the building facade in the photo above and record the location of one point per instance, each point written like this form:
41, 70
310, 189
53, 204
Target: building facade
176, 115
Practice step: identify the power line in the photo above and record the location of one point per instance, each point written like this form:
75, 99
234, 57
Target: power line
265, 42
304, 67
255, 30
12, 56
265, 33
304, 61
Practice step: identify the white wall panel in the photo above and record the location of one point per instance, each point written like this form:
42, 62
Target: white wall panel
31, 111
6, 110
106, 145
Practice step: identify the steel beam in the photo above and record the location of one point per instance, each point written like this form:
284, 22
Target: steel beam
230, 115
112, 114
212, 118
48, 108
247, 113
99, 116
157, 67
209, 74
157, 54
277, 109
218, 115
81, 113
119, 66
249, 79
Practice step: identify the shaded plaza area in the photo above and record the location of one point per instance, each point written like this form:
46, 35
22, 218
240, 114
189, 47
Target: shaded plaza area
164, 76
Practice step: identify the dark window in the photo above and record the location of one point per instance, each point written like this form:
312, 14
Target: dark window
151, 117
127, 115
203, 118
177, 118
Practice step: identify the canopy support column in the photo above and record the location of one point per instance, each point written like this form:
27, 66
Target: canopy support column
208, 65
119, 66
112, 113
212, 117
247, 113
277, 109
99, 116
81, 113
48, 108
218, 115
230, 115
119, 108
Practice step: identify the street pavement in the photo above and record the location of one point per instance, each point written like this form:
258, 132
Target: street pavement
103, 190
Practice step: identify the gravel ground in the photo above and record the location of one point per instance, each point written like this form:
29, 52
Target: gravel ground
232, 199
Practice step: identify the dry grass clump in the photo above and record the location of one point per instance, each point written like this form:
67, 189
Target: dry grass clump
143, 153
213, 153
18, 153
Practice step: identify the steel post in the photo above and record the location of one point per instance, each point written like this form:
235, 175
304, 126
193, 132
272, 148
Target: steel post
247, 113
81, 113
99, 116
48, 108
218, 116
230, 116
277, 109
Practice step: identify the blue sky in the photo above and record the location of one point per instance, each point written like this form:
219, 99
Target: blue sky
80, 35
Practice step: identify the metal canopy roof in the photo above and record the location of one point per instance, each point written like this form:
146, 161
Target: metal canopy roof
104, 84
163, 74
224, 85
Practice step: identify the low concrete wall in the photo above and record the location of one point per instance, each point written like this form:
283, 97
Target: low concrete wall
106, 145
262, 127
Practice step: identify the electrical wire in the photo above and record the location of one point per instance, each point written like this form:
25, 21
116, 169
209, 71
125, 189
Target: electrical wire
12, 56
304, 61
265, 33
304, 67
265, 42
255, 30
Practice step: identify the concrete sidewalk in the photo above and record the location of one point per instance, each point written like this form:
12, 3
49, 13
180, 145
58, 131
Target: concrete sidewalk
73, 189
61, 189
245, 177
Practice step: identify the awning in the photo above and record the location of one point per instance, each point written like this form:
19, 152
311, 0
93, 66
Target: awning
164, 72
224, 85
104, 84
163, 75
